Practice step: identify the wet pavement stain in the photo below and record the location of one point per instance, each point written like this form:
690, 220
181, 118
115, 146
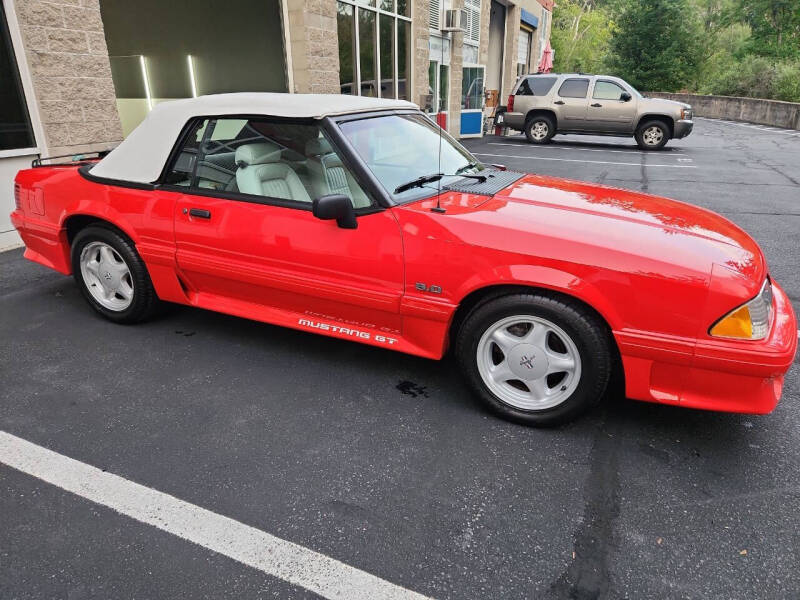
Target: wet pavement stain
409, 388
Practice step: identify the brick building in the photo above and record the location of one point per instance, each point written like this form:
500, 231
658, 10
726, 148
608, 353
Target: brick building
78, 75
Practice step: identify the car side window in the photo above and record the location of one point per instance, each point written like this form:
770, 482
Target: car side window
607, 90
272, 159
574, 88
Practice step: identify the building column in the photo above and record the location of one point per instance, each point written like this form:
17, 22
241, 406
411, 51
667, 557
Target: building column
456, 76
66, 54
420, 53
510, 51
313, 51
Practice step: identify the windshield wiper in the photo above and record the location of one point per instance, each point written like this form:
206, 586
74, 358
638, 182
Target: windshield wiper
418, 182
470, 165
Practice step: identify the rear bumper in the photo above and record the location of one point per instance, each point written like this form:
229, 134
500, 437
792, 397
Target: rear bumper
722, 375
515, 120
682, 129
44, 242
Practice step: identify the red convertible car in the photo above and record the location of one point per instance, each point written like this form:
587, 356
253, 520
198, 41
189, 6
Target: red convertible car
358, 218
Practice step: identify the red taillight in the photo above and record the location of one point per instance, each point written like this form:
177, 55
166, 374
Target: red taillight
510, 106
18, 196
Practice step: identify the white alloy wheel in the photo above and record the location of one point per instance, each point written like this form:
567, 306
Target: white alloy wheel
539, 130
107, 276
528, 362
653, 135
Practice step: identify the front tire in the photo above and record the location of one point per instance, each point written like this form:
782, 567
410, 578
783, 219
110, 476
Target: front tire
534, 358
111, 275
652, 135
540, 129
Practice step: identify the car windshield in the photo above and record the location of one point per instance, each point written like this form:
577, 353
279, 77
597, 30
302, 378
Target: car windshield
402, 148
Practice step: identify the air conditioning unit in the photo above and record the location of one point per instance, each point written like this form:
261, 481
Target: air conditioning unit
455, 20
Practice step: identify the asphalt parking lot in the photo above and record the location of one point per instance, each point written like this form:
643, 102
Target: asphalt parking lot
383, 461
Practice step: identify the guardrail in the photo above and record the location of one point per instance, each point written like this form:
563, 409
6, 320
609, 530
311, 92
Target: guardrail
752, 110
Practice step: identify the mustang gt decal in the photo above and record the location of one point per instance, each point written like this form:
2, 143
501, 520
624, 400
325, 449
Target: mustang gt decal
364, 335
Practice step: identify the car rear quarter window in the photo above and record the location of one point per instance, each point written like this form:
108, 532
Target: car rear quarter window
574, 88
536, 86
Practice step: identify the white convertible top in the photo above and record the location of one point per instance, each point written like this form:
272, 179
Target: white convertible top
141, 156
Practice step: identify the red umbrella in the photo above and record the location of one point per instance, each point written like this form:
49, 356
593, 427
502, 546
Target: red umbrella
546, 64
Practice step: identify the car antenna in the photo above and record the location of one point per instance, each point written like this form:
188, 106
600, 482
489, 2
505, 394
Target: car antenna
438, 208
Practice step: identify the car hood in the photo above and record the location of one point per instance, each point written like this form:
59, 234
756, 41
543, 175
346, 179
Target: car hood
584, 222
664, 102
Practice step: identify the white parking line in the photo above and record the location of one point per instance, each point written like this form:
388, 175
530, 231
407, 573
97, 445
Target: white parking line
596, 162
754, 126
290, 562
576, 149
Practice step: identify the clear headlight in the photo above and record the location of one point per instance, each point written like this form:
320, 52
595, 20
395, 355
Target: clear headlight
750, 321
686, 114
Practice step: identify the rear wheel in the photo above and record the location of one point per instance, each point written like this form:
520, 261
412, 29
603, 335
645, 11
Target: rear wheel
540, 129
111, 275
535, 359
652, 135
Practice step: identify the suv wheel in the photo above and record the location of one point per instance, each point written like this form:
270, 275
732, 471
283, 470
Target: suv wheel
535, 359
540, 129
652, 135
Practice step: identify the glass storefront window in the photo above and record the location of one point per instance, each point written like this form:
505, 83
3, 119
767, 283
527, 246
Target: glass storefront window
380, 66
444, 87
347, 39
15, 124
366, 41
403, 60
472, 88
387, 56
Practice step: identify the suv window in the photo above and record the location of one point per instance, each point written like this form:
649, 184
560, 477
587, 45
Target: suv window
574, 88
536, 86
607, 90
261, 157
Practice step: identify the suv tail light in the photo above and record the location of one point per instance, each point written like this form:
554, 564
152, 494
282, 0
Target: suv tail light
510, 107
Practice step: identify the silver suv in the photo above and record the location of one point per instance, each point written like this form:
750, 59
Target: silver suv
546, 104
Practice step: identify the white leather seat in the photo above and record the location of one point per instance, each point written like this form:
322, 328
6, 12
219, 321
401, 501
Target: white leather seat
260, 172
329, 175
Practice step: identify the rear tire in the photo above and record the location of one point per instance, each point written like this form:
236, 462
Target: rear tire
540, 129
111, 275
652, 135
535, 359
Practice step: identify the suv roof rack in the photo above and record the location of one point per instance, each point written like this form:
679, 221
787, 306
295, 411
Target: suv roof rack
80, 158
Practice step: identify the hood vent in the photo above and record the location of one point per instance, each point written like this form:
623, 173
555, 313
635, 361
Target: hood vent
495, 181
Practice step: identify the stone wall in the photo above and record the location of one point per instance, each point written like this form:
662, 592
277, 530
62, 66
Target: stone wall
65, 49
420, 53
752, 110
314, 46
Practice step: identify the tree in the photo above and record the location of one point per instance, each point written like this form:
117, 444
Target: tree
775, 25
580, 36
656, 44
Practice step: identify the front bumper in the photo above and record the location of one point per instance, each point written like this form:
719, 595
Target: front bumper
722, 375
682, 128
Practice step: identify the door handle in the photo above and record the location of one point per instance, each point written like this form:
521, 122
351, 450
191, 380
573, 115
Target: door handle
597, 105
200, 213
558, 102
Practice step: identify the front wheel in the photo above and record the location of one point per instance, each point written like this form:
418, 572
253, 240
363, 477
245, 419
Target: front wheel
652, 135
535, 359
111, 275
